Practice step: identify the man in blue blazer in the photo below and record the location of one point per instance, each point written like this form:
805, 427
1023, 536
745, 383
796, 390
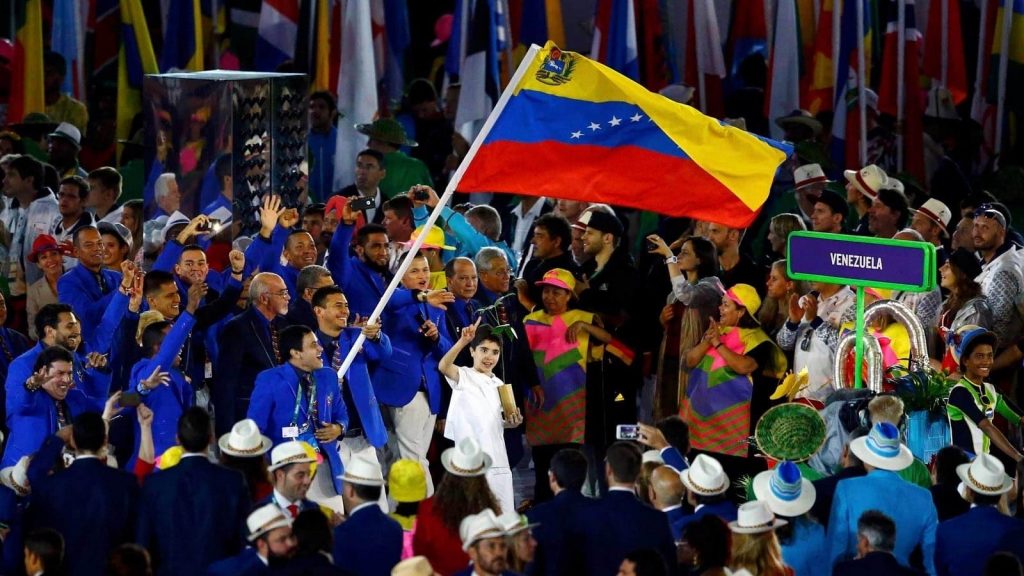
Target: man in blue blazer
619, 523
272, 544
45, 402
160, 377
91, 504
364, 276
280, 238
193, 513
248, 344
964, 542
368, 543
88, 287
300, 399
559, 545
911, 507
365, 432
408, 382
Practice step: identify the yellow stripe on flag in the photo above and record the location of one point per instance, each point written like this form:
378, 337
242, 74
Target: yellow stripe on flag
27, 72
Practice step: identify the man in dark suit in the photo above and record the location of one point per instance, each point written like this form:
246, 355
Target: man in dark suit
619, 523
964, 543
876, 539
290, 473
192, 514
666, 494
551, 240
248, 345
368, 543
90, 503
300, 310
44, 552
558, 546
370, 171
272, 544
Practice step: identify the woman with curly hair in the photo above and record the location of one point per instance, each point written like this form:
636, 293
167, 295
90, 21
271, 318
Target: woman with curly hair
463, 491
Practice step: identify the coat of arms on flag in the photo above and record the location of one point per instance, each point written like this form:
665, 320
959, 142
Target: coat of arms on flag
556, 68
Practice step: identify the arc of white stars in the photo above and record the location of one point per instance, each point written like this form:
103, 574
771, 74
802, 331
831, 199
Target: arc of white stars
594, 126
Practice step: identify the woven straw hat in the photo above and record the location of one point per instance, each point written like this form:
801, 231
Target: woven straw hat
790, 431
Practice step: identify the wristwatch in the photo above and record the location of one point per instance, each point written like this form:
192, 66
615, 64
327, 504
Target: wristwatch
671, 260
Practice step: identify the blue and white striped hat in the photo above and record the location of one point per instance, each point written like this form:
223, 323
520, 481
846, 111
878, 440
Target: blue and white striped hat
785, 490
882, 448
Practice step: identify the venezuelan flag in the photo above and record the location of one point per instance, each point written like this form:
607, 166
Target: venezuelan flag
569, 127
27, 68
135, 59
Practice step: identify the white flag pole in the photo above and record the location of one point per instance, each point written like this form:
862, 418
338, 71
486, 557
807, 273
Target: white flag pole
531, 54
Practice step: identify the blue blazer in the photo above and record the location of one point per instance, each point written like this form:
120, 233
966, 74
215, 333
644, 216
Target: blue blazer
273, 405
368, 543
79, 288
358, 380
725, 510
676, 515
965, 542
618, 524
807, 551
192, 515
559, 546
363, 286
267, 255
413, 361
169, 402
247, 563
910, 507
93, 505
32, 416
245, 349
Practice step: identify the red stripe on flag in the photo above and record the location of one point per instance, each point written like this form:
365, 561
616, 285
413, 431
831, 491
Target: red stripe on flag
287, 8
621, 176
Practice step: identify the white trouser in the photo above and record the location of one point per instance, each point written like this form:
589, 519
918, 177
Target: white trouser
414, 426
321, 490
500, 482
360, 446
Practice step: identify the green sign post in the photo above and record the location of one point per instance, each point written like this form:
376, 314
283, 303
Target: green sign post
861, 262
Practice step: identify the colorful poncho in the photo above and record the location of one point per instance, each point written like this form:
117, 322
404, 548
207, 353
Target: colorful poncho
562, 371
717, 401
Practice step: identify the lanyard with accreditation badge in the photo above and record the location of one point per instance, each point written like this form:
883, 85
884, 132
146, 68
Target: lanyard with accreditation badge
305, 433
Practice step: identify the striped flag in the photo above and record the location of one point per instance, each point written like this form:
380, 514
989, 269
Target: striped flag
784, 67
278, 32
538, 21
705, 65
183, 37
845, 145
615, 37
748, 34
821, 84
1012, 83
27, 67
982, 111
891, 84
396, 23
479, 70
68, 40
658, 66
356, 89
104, 33
944, 48
135, 59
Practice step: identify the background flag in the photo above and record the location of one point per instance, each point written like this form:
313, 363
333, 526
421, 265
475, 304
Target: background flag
705, 65
784, 67
68, 39
846, 133
278, 31
944, 48
479, 71
356, 89
892, 84
822, 82
135, 59
573, 128
27, 67
615, 37
183, 37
